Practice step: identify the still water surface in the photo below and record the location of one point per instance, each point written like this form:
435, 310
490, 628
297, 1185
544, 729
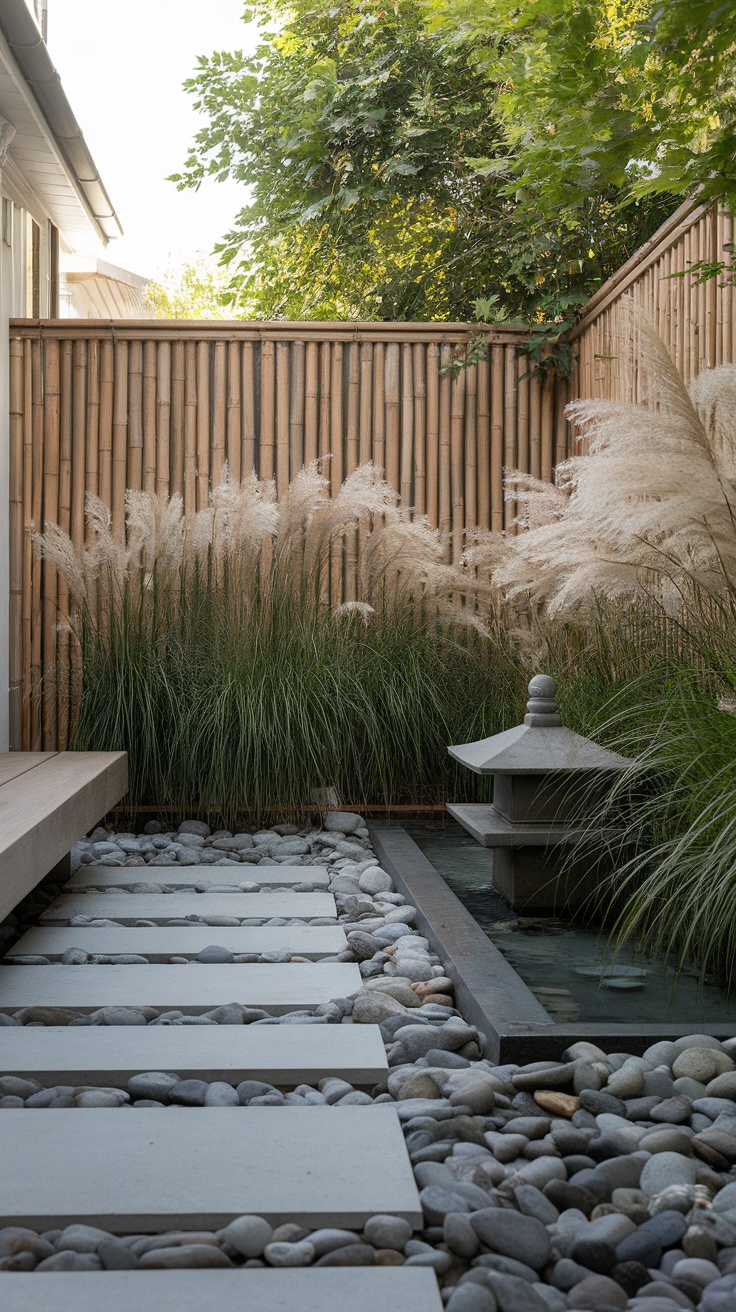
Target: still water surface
549, 954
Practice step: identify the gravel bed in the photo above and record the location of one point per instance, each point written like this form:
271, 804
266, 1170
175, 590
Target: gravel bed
599, 1182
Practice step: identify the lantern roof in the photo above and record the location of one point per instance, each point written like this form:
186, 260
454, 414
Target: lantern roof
541, 745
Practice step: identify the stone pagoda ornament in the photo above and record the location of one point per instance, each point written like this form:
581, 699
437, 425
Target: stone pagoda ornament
544, 778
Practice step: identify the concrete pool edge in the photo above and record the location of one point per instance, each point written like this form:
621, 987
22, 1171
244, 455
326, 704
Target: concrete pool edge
489, 992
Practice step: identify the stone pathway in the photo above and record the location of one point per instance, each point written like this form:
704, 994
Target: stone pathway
97, 1187
315, 1127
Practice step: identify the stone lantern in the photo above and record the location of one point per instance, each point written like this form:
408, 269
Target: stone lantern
544, 778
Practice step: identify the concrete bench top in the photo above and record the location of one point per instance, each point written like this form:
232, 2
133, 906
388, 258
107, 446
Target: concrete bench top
187, 876
160, 942
47, 800
129, 907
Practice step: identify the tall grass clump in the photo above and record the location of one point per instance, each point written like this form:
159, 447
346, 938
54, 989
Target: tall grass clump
214, 652
628, 569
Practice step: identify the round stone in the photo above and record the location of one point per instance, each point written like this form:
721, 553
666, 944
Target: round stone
215, 954
248, 1235
349, 1255
184, 1255
513, 1235
221, 1094
460, 1236
702, 1064
385, 1231
665, 1169
189, 1093
155, 1085
596, 1291
471, 1297
282, 1253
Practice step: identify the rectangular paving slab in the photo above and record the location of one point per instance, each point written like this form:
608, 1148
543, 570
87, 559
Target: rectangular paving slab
186, 876
135, 1170
109, 1054
362, 1289
160, 943
191, 988
129, 907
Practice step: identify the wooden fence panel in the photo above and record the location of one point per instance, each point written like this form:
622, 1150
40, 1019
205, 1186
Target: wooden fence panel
166, 407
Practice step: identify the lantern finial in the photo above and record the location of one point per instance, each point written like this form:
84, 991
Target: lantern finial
542, 707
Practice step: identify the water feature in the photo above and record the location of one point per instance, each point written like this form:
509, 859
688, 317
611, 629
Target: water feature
569, 966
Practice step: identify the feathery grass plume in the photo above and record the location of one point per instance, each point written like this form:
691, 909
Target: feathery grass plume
222, 652
650, 510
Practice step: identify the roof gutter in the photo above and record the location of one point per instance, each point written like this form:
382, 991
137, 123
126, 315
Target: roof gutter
32, 57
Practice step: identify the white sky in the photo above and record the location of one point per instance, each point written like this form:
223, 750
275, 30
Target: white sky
122, 65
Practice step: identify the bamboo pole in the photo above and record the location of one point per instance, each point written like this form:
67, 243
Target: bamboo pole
282, 417
535, 426
203, 425
234, 411
120, 440
219, 413
407, 427
728, 293
16, 532
178, 392
297, 408
82, 446
445, 442
107, 385
509, 424
470, 477
483, 439
163, 419
190, 431
149, 417
28, 562
248, 393
432, 437
63, 645
457, 442
352, 456
392, 410
92, 454
379, 406
51, 442
267, 437
311, 402
546, 424
365, 452
325, 388
420, 428
497, 413
711, 293
336, 473
135, 416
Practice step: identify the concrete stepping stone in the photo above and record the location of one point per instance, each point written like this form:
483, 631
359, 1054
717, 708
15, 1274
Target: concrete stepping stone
191, 988
362, 1289
160, 943
129, 907
186, 876
109, 1054
132, 1170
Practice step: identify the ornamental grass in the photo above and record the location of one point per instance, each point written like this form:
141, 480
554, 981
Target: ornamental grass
224, 654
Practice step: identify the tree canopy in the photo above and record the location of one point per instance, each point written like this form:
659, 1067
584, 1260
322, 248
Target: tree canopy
451, 159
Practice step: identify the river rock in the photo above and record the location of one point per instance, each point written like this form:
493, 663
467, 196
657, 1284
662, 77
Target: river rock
248, 1235
596, 1291
184, 1255
665, 1169
283, 1253
514, 1235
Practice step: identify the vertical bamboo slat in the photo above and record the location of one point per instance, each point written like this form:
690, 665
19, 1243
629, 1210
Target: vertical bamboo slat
445, 458
190, 430
365, 451
51, 442
92, 433
16, 533
509, 423
296, 409
432, 436
392, 408
107, 384
163, 419
81, 478
176, 444
470, 506
379, 406
248, 393
63, 646
28, 596
135, 415
149, 416
497, 449
311, 402
267, 438
457, 463
282, 417
483, 440
203, 425
406, 463
219, 413
420, 428
120, 440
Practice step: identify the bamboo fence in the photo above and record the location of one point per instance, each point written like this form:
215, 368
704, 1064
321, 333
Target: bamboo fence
164, 406
696, 320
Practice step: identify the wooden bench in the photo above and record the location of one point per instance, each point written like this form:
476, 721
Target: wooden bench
48, 800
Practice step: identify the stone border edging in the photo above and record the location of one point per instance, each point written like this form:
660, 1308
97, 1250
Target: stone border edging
489, 993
